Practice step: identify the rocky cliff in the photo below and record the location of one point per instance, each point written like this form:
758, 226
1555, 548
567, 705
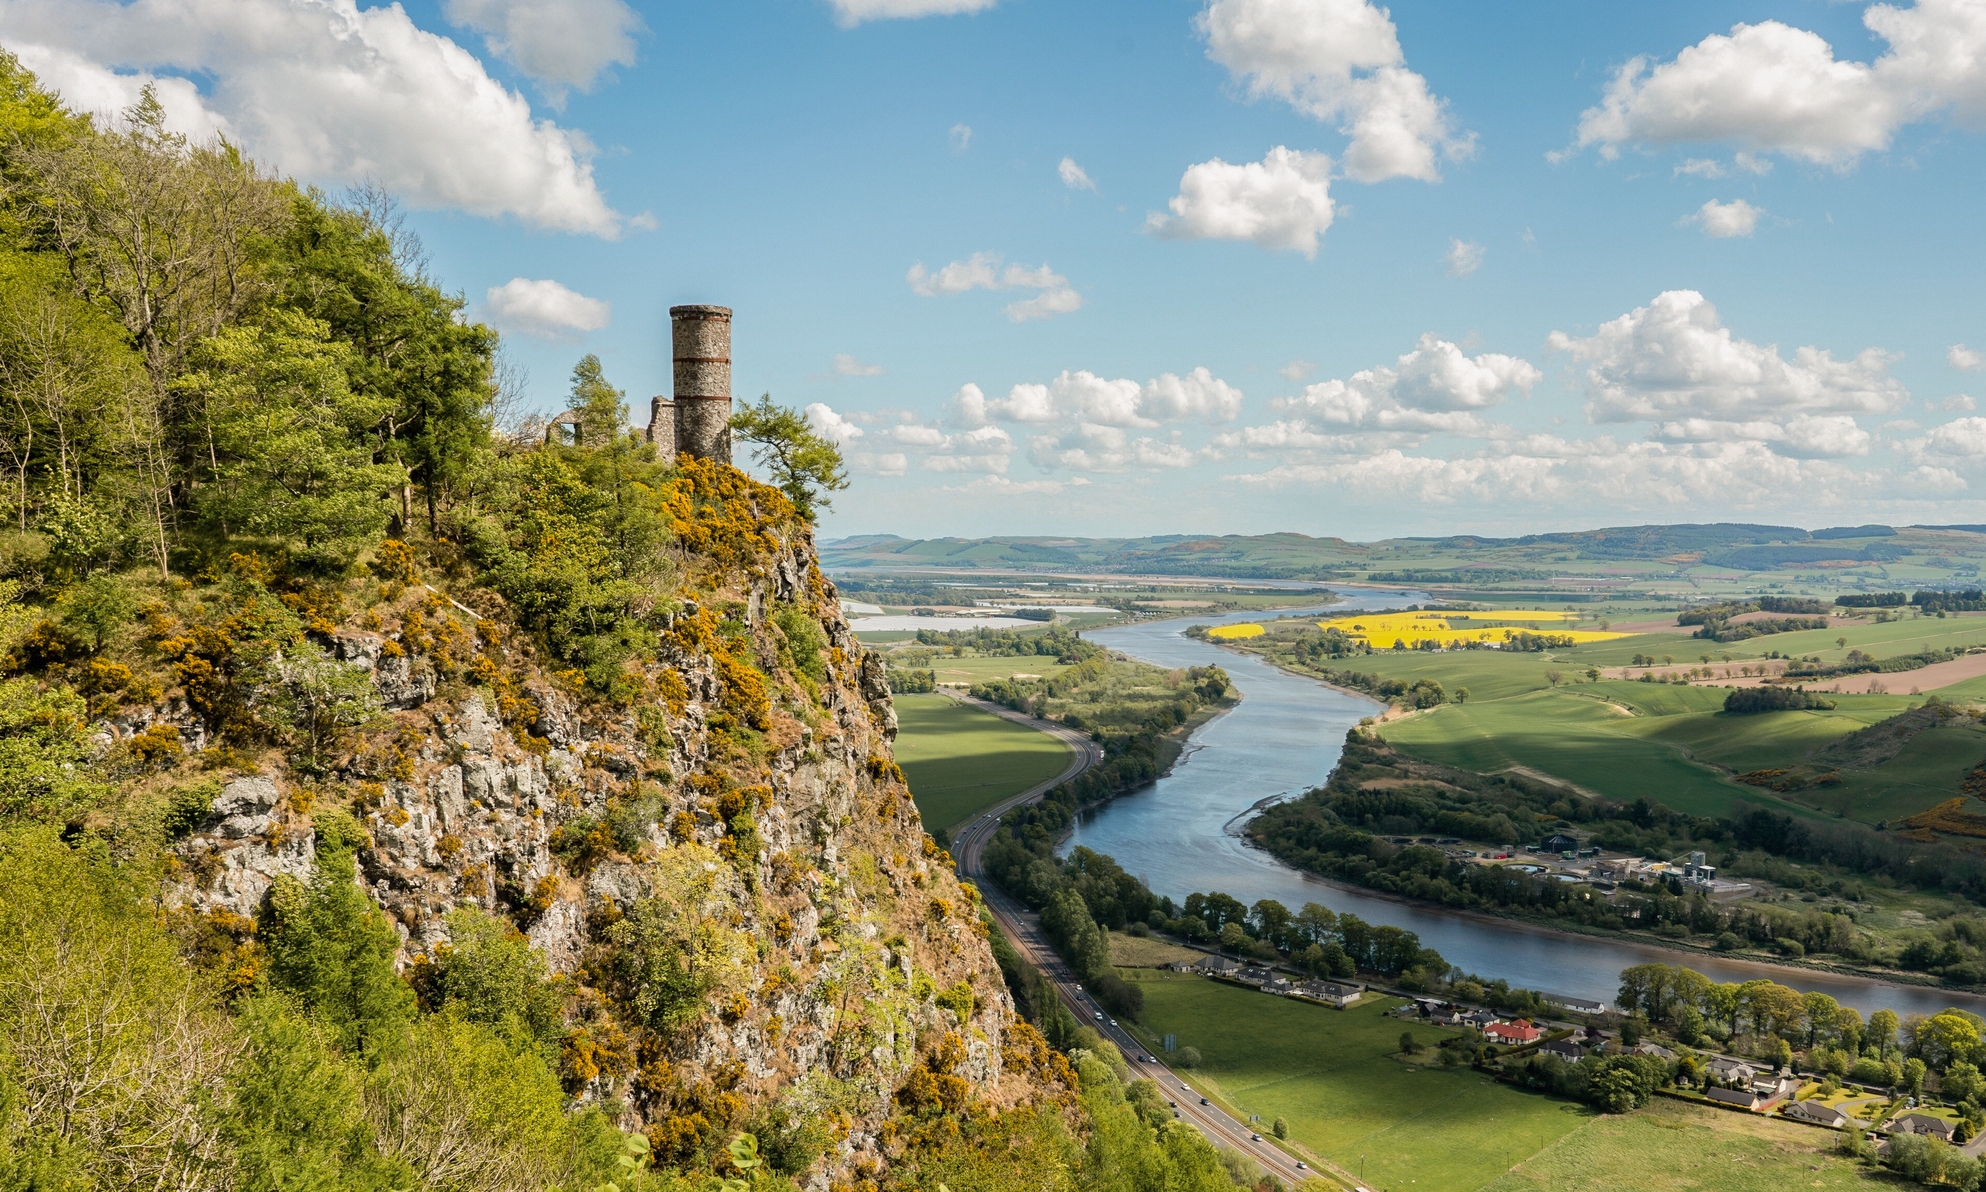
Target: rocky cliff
717, 856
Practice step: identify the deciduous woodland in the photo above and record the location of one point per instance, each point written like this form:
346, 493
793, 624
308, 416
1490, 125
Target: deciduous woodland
391, 802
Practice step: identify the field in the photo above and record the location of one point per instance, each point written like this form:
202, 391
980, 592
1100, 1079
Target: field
1334, 1077
1147, 951
974, 669
959, 759
1674, 1146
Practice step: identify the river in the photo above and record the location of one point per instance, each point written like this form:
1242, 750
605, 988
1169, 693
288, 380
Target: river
1182, 834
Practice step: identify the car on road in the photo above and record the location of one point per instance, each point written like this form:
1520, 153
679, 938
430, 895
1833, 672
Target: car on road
1254, 1138
1098, 1016
1300, 1166
1113, 1022
1172, 1104
1203, 1100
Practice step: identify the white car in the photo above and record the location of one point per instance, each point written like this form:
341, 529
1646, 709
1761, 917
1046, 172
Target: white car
1098, 1016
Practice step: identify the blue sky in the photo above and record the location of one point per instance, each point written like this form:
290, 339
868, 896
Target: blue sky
1444, 266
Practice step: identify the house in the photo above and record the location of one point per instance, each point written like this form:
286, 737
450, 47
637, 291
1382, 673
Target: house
1559, 842
1578, 1005
1731, 1071
1218, 966
1815, 1112
1515, 1033
1255, 975
1741, 1098
1330, 993
1655, 1049
1922, 1123
1565, 1049
1478, 1019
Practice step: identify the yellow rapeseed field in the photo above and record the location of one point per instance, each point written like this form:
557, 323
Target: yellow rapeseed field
1489, 628
1230, 632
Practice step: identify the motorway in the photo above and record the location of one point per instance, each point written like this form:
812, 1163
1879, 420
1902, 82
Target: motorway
969, 842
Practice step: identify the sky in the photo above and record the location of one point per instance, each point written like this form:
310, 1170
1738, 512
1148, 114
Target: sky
1183, 266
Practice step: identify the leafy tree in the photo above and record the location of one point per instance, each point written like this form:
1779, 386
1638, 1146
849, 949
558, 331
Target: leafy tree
489, 974
333, 950
316, 697
804, 465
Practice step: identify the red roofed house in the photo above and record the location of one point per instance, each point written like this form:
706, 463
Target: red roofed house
1519, 1032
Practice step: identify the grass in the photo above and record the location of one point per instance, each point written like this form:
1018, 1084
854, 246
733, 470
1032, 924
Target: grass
1672, 1145
1147, 951
1335, 1077
960, 760
1581, 740
978, 670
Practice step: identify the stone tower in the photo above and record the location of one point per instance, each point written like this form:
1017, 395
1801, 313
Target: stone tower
702, 336
662, 426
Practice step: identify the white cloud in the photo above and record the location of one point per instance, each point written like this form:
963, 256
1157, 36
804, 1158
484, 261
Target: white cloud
832, 426
1964, 359
983, 271
1721, 221
967, 407
1434, 388
89, 87
892, 463
1961, 437
1959, 401
1700, 167
560, 43
1025, 403
849, 13
1004, 487
1770, 87
846, 365
1280, 202
329, 92
1073, 175
1337, 60
1464, 258
1674, 359
913, 435
960, 137
1082, 397
1296, 370
544, 309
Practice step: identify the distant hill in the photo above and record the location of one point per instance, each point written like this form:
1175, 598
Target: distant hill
1856, 556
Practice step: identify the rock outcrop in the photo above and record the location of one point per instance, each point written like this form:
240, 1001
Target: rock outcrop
737, 793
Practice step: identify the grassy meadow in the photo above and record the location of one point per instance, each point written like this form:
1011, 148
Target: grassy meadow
1674, 744
961, 760
1337, 1078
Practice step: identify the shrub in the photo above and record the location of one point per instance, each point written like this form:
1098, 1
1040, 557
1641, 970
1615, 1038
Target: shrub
1745, 700
1186, 1057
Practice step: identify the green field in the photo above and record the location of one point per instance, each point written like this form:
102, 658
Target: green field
978, 670
960, 760
1335, 1077
1674, 1146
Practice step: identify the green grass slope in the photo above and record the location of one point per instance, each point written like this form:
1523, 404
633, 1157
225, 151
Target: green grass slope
960, 760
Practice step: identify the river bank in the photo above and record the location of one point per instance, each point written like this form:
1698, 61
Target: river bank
1283, 739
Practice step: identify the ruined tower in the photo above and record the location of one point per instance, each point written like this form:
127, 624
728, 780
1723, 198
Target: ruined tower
662, 425
702, 338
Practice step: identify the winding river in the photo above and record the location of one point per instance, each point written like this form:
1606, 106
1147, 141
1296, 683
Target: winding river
1182, 834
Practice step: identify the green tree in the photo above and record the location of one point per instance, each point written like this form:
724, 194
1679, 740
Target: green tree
1881, 1032
316, 697
804, 465
1407, 1043
294, 1115
332, 949
489, 973
287, 457
1913, 1076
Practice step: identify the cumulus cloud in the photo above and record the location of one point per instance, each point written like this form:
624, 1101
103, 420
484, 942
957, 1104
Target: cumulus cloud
846, 365
850, 13
1771, 87
983, 271
1296, 370
832, 426
1084, 397
560, 43
1073, 175
1959, 401
1280, 202
329, 92
888, 463
1433, 388
1674, 360
1337, 60
1722, 221
1964, 359
1464, 258
544, 309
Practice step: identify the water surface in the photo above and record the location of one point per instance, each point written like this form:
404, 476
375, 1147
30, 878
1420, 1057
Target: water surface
1182, 834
